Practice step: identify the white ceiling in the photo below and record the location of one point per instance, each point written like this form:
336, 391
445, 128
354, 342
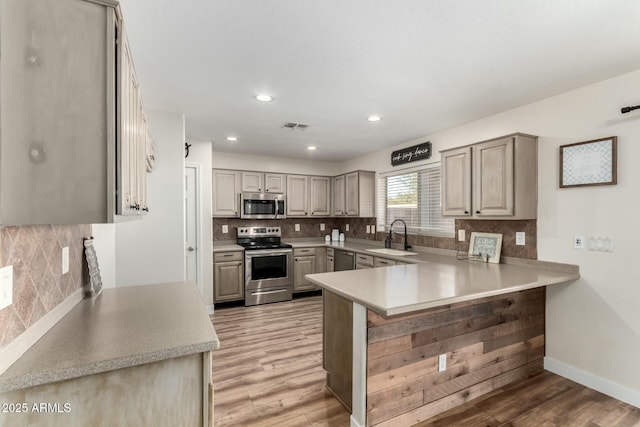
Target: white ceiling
424, 65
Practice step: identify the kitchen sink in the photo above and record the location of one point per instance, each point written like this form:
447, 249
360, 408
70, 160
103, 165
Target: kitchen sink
392, 252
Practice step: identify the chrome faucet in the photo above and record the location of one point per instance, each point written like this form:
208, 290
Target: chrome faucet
387, 241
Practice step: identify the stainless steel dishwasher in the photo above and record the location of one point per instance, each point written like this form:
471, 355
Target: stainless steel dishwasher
344, 260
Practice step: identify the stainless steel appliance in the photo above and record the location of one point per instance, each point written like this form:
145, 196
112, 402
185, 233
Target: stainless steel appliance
268, 265
262, 206
343, 260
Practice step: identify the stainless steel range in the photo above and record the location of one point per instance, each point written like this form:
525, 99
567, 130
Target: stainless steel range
268, 265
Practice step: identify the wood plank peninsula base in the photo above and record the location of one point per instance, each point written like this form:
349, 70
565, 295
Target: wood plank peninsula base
488, 343
487, 320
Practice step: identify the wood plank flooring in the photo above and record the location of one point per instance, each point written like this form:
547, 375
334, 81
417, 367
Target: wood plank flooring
268, 372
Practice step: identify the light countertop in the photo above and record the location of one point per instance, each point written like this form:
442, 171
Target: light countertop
122, 327
437, 281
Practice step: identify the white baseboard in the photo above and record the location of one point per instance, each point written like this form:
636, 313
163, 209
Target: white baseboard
23, 342
587, 379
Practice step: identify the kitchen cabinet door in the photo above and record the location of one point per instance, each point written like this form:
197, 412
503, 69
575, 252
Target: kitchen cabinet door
352, 194
493, 178
228, 281
226, 186
274, 183
383, 262
297, 195
339, 208
320, 196
303, 265
456, 182
252, 182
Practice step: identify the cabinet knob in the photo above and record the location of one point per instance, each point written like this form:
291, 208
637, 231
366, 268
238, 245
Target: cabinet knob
266, 191
466, 212
477, 212
296, 259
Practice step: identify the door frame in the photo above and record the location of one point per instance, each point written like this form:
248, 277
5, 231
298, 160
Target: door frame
198, 195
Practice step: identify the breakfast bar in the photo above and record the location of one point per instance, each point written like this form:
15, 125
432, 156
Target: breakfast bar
427, 337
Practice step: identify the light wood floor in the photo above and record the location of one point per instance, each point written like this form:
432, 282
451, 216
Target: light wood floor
268, 372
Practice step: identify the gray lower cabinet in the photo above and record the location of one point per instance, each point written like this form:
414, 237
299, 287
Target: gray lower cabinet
363, 261
383, 262
228, 276
307, 261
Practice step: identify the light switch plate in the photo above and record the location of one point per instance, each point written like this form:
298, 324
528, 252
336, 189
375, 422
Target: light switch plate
346, 227
322, 227
6, 286
579, 242
373, 229
520, 236
461, 235
297, 227
65, 260
368, 229
225, 229
442, 362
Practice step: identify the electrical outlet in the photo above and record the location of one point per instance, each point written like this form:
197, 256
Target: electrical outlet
373, 229
225, 229
579, 242
296, 227
65, 260
461, 235
6, 286
368, 229
322, 227
442, 362
346, 227
520, 235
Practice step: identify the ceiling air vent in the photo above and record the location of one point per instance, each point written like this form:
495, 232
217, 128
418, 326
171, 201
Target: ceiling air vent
294, 126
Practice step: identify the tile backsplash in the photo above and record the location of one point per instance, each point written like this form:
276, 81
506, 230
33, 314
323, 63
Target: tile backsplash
38, 283
310, 227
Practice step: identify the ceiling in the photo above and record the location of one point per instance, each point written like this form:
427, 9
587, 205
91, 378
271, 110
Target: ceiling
423, 65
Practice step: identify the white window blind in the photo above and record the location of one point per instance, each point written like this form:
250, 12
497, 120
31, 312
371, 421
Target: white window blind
413, 195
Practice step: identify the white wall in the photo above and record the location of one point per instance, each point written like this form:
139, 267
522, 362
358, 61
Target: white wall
593, 324
221, 160
200, 155
151, 250
104, 242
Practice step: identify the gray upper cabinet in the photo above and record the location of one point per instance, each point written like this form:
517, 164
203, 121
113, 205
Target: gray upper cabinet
495, 179
226, 193
456, 182
297, 195
354, 194
60, 116
259, 182
320, 195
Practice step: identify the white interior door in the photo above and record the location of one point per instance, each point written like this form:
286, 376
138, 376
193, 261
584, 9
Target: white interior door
191, 223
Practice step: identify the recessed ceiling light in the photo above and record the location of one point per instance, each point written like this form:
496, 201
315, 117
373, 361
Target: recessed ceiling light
374, 118
311, 148
263, 97
232, 138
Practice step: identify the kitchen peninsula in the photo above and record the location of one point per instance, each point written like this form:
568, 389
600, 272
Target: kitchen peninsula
484, 323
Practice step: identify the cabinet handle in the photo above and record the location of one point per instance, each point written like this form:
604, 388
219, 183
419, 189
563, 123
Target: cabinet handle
227, 255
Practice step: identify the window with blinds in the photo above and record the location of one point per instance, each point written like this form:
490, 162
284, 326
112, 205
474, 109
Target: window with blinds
413, 196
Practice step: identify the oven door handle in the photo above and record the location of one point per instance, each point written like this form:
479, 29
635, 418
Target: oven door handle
266, 252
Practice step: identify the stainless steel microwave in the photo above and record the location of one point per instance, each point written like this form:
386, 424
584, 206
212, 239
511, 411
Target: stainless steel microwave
262, 206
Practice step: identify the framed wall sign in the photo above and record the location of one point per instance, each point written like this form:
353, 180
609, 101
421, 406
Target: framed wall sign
411, 154
589, 163
485, 247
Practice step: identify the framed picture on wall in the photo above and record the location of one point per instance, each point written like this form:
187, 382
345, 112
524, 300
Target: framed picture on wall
485, 247
589, 163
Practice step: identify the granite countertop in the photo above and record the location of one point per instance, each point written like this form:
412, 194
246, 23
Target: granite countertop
440, 281
121, 328
226, 247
